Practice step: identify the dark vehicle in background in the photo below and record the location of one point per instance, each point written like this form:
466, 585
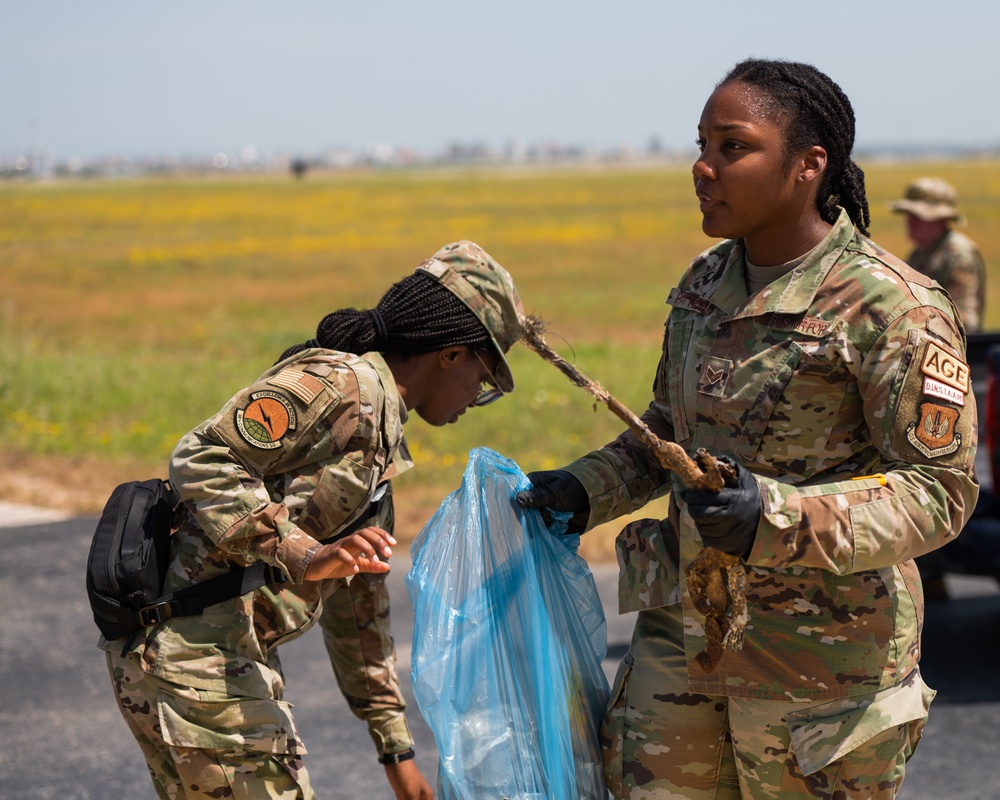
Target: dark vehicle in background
976, 551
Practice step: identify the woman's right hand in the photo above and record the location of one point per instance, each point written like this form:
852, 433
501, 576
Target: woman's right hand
360, 552
557, 489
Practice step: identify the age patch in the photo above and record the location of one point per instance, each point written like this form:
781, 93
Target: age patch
266, 419
941, 365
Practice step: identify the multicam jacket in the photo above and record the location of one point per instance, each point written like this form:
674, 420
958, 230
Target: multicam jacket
843, 387
289, 461
954, 261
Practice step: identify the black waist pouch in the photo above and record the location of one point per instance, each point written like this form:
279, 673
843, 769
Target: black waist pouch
129, 554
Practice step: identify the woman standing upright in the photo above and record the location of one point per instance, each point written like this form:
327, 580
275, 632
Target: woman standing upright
834, 378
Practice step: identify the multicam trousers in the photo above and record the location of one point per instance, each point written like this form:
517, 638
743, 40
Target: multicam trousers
663, 742
204, 745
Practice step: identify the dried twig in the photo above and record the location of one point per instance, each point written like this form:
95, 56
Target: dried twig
704, 473
716, 580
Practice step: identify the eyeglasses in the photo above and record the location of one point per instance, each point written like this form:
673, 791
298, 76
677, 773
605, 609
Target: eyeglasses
487, 394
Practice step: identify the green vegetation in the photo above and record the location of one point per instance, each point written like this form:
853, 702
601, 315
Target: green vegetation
132, 310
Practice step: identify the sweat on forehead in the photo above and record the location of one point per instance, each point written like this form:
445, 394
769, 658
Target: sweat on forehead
759, 104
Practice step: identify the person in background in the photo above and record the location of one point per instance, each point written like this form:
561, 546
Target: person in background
954, 261
833, 378
295, 471
941, 252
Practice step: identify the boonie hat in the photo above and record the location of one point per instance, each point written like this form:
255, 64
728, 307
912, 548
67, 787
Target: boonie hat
929, 199
472, 275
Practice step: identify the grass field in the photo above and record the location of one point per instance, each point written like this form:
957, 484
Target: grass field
132, 310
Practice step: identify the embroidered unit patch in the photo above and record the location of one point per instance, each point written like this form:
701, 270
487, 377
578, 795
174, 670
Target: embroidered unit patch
934, 434
267, 418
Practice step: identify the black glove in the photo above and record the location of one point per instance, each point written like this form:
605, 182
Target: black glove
558, 489
561, 491
728, 519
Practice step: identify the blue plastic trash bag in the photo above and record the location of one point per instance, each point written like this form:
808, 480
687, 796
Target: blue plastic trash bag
508, 639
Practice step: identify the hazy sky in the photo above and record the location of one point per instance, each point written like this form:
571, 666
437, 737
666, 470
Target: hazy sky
198, 76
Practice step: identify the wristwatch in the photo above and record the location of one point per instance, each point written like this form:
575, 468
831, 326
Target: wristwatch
396, 758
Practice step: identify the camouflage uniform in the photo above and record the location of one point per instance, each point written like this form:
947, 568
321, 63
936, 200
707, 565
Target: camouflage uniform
287, 462
843, 387
954, 261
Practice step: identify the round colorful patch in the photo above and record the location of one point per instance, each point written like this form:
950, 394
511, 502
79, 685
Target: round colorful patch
266, 420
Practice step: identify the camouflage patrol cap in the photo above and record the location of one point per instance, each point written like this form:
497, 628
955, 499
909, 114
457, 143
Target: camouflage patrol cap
929, 199
471, 274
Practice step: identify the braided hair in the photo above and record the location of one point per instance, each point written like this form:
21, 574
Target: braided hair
816, 112
416, 315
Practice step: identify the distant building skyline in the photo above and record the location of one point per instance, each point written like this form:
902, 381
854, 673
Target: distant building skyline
112, 79
44, 164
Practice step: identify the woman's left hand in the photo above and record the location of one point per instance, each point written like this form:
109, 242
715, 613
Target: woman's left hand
727, 519
408, 782
360, 552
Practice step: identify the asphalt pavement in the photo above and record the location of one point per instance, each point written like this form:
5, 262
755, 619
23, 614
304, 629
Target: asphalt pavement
61, 735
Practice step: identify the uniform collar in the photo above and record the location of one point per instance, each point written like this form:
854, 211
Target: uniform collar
393, 397
791, 294
395, 416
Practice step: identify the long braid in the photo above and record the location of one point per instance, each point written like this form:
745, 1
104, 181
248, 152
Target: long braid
422, 316
818, 113
417, 315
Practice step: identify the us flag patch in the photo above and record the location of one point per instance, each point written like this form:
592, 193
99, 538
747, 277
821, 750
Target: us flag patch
305, 387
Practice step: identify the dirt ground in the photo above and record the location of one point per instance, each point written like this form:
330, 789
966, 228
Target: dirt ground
74, 485
80, 486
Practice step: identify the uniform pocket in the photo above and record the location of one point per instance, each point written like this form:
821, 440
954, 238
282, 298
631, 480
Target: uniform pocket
263, 726
824, 733
671, 375
648, 575
613, 728
762, 381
